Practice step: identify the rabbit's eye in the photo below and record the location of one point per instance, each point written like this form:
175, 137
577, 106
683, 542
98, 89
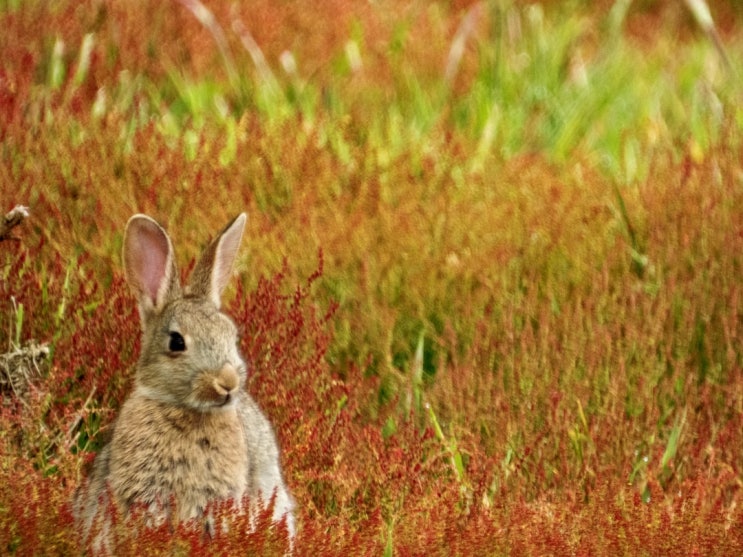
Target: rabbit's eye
177, 342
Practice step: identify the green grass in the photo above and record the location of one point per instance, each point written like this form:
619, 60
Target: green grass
528, 221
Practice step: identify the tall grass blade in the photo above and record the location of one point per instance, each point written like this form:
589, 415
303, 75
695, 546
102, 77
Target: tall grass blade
57, 69
18, 310
673, 440
457, 462
456, 50
617, 17
703, 16
639, 260
266, 75
83, 60
207, 19
415, 392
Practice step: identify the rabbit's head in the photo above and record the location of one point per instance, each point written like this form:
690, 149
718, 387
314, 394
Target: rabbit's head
189, 348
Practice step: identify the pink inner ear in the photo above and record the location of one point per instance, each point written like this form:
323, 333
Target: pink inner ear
150, 260
223, 267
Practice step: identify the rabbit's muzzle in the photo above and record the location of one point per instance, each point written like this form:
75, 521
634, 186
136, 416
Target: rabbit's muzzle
217, 388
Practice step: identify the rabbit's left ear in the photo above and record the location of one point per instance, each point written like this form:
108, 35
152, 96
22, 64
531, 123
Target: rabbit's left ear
213, 270
150, 265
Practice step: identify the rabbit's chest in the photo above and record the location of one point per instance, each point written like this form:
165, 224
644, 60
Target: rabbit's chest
196, 458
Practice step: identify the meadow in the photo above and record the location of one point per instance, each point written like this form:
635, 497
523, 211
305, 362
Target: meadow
490, 291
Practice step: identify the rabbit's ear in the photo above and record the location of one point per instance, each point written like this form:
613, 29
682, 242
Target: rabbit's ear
150, 264
212, 272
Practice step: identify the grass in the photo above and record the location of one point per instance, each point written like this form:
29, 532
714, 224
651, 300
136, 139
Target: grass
489, 291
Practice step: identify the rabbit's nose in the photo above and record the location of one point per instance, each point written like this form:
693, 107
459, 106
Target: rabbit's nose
227, 380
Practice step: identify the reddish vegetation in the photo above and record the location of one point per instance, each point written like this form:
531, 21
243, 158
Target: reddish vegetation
559, 487
581, 388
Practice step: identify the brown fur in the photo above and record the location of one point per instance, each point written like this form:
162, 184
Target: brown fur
198, 457
189, 432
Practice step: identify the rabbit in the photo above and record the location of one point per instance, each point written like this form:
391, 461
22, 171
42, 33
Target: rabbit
189, 432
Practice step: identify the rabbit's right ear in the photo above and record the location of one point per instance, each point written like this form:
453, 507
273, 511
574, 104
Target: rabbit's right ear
150, 264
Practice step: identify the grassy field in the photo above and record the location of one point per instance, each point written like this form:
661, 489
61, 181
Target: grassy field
490, 290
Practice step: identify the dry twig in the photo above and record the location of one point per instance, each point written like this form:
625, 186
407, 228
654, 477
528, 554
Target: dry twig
16, 216
20, 366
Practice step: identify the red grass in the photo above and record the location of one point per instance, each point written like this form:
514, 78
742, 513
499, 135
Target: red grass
561, 371
538, 479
